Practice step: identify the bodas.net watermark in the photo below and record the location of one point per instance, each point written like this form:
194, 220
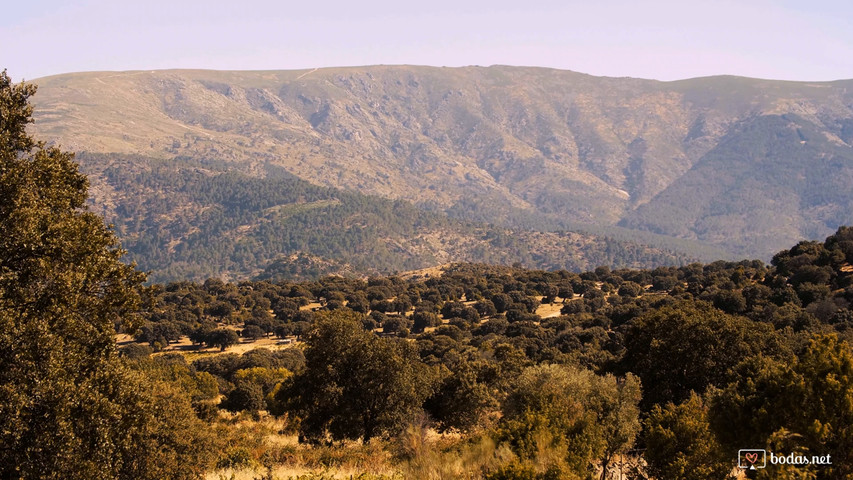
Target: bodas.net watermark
755, 458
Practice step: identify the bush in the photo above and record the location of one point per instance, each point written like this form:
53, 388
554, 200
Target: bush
252, 332
246, 396
135, 350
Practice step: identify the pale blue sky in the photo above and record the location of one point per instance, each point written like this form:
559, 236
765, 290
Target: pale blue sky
661, 39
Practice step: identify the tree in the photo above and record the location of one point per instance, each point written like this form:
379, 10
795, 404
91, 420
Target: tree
246, 396
355, 384
619, 416
135, 350
630, 289
690, 346
464, 397
69, 408
265, 377
222, 338
573, 411
680, 443
252, 332
422, 319
808, 398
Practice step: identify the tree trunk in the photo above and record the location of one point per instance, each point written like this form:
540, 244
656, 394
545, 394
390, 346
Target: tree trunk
369, 429
605, 462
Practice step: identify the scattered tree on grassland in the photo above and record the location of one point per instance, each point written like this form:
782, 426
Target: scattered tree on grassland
222, 338
252, 332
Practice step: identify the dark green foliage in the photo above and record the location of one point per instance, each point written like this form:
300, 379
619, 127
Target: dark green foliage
422, 319
679, 339
222, 338
252, 332
355, 385
465, 395
803, 402
569, 410
135, 351
69, 408
630, 289
246, 396
690, 346
397, 325
260, 367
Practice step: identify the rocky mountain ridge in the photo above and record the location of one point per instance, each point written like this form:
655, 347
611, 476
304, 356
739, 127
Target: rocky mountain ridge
748, 165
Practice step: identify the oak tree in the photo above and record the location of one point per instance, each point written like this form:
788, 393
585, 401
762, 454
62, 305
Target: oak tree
355, 384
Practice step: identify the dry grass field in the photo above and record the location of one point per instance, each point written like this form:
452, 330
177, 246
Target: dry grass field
417, 453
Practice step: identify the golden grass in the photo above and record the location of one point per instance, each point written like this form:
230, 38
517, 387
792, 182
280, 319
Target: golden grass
270, 447
417, 453
549, 310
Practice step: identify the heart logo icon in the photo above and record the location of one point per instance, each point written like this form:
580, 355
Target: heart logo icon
751, 457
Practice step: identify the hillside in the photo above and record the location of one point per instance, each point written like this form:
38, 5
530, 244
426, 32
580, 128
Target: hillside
709, 159
184, 219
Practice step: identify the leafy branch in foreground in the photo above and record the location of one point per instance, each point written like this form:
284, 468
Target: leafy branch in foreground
69, 408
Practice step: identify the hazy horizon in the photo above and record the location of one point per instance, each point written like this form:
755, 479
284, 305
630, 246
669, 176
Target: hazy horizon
331, 67
661, 40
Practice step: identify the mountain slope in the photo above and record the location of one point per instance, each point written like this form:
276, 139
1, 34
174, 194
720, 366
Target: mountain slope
772, 177
524, 147
183, 219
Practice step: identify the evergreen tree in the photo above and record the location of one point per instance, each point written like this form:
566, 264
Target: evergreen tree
802, 404
574, 414
689, 346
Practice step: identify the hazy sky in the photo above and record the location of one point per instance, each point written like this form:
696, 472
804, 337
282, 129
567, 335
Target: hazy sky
666, 40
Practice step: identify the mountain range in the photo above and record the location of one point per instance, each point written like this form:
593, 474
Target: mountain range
716, 167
